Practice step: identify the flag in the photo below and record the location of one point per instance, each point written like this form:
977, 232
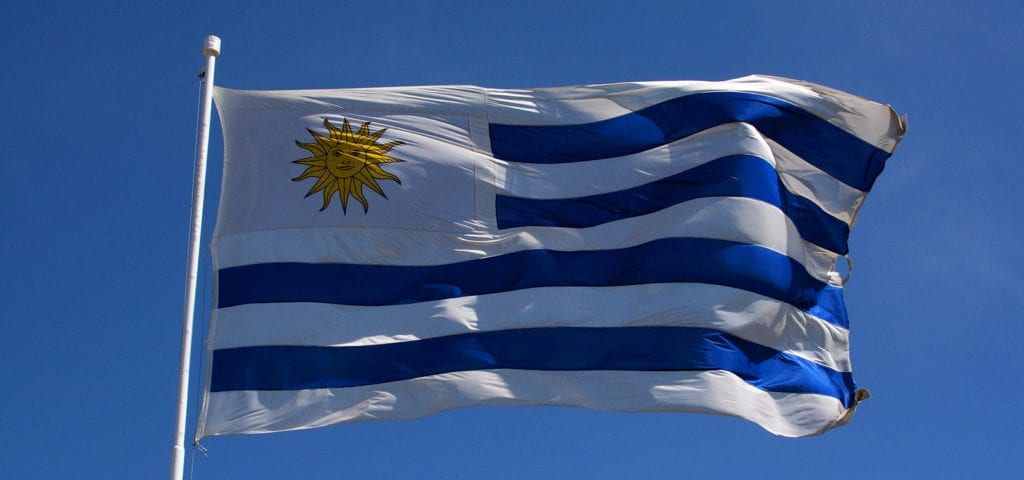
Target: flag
390, 253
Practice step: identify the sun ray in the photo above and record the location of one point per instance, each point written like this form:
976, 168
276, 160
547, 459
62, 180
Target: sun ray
346, 131
382, 150
310, 172
357, 193
328, 193
311, 161
365, 178
376, 135
321, 183
364, 131
345, 191
344, 161
377, 172
322, 142
334, 132
315, 148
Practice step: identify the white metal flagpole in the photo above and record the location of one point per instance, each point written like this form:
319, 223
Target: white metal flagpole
211, 50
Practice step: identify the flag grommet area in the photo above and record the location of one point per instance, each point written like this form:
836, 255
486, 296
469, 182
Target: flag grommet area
390, 253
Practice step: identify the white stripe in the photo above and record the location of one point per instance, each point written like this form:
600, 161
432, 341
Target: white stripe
715, 391
872, 122
577, 179
747, 315
425, 100
734, 219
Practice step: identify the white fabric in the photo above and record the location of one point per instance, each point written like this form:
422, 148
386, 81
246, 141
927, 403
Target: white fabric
443, 212
747, 315
727, 218
715, 391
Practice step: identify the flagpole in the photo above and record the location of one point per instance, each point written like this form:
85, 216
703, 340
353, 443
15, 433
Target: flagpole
211, 49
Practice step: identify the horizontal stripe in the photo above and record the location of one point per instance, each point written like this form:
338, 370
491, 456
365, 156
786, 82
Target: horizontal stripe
873, 122
456, 100
739, 220
746, 315
786, 414
558, 348
579, 179
718, 262
835, 151
732, 176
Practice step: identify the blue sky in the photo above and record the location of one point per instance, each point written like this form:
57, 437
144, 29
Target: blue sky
99, 107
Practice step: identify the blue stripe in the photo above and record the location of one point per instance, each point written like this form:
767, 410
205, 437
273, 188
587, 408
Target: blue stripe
732, 176
700, 260
562, 348
832, 149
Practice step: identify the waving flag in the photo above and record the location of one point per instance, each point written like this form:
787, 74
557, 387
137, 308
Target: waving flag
657, 246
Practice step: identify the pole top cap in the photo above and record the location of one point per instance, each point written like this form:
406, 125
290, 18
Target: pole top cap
212, 46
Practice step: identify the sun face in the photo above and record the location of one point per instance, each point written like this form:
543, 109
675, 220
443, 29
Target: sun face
345, 161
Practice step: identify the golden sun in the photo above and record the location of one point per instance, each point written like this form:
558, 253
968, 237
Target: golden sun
345, 161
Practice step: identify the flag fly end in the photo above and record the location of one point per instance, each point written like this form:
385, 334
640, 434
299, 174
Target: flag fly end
861, 395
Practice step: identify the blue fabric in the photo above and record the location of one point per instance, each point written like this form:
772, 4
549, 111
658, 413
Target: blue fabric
562, 348
732, 176
830, 148
699, 260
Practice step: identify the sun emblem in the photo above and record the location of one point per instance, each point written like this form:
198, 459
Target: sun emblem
345, 161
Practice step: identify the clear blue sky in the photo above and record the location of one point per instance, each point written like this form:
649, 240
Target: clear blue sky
98, 110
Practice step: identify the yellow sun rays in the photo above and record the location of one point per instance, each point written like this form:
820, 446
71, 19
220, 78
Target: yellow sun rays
344, 161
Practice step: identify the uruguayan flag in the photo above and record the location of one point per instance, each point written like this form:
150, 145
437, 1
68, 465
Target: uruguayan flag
655, 246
